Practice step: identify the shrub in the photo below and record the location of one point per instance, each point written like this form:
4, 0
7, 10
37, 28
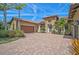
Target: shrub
3, 33
67, 32
54, 31
19, 33
43, 29
11, 33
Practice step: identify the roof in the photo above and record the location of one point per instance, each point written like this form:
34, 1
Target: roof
73, 9
42, 22
47, 18
14, 18
65, 17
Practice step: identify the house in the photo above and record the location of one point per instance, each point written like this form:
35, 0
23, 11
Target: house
74, 19
74, 12
25, 26
41, 26
47, 25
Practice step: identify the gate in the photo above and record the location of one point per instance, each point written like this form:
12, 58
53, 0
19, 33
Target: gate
76, 31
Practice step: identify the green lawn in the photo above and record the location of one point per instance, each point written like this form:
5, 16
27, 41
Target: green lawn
7, 40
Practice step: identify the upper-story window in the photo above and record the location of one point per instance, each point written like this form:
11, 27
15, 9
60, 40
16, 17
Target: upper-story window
49, 20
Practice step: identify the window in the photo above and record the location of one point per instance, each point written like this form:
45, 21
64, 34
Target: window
49, 20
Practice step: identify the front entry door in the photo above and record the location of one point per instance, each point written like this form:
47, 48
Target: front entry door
50, 27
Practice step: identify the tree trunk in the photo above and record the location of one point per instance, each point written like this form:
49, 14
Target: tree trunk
5, 16
18, 20
19, 13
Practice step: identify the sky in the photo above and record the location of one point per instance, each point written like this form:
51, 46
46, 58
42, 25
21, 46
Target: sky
37, 11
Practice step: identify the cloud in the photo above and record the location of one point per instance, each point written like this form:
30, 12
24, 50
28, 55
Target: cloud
11, 11
61, 13
17, 15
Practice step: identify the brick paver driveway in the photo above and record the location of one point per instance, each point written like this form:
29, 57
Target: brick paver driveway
38, 43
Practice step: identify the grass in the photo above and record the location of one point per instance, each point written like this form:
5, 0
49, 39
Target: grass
7, 40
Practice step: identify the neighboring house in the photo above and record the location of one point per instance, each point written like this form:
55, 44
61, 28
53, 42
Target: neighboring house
47, 25
24, 25
74, 19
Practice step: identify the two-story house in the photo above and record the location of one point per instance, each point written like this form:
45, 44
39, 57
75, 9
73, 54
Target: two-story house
74, 19
47, 25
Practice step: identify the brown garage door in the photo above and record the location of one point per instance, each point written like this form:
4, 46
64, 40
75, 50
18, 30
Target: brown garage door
27, 29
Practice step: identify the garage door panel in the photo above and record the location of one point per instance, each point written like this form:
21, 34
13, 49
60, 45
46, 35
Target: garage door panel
27, 29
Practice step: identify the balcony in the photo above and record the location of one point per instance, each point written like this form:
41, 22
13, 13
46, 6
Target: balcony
72, 11
76, 6
72, 14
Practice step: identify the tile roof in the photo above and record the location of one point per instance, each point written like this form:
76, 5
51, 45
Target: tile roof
14, 18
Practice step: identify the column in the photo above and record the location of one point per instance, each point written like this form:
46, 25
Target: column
39, 28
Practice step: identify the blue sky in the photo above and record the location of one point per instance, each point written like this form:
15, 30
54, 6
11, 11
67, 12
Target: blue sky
37, 11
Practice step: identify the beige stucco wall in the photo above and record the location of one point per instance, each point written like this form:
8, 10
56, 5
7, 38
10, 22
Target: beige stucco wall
13, 23
28, 24
46, 24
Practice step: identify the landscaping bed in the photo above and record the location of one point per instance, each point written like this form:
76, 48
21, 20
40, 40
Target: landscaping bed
10, 35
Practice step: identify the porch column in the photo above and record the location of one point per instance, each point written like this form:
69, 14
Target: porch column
46, 28
19, 25
39, 28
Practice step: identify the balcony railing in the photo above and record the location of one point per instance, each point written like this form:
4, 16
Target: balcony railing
72, 14
73, 11
76, 6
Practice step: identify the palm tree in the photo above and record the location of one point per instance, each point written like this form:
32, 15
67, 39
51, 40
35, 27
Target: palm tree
0, 25
4, 7
60, 25
19, 7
